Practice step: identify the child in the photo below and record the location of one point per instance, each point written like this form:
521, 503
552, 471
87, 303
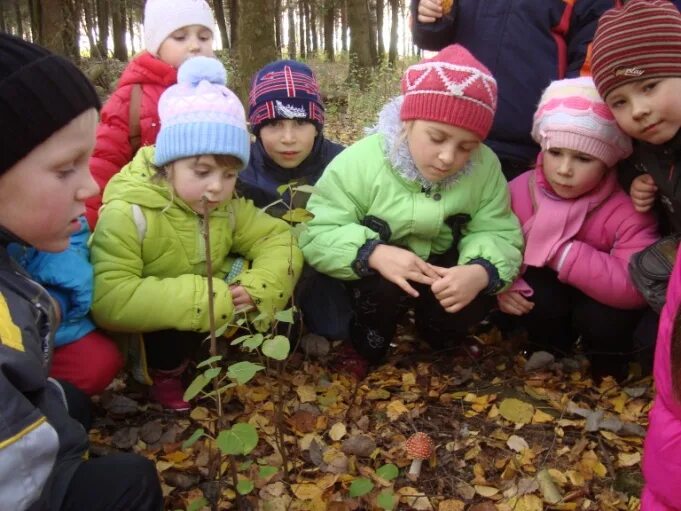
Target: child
83, 356
580, 231
48, 115
418, 213
174, 30
287, 118
637, 70
148, 251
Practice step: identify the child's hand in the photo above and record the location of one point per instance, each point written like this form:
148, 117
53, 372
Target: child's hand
512, 302
643, 192
459, 285
398, 266
241, 299
429, 11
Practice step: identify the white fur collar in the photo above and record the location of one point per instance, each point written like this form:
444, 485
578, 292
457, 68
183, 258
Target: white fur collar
397, 150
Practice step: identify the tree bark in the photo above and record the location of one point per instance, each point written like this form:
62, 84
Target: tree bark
89, 26
360, 42
313, 29
18, 18
344, 25
103, 15
301, 28
371, 10
394, 23
3, 24
233, 26
291, 50
256, 43
380, 8
328, 15
278, 39
59, 28
120, 51
219, 9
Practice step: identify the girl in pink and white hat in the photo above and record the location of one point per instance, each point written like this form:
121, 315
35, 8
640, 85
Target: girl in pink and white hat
418, 213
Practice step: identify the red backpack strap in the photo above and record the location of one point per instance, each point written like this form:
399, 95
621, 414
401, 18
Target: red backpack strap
559, 32
134, 128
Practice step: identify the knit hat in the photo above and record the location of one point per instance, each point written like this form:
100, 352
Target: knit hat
572, 115
452, 87
163, 17
638, 41
200, 115
40, 93
284, 89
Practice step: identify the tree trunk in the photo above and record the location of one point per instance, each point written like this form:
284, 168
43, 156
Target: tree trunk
278, 39
291, 50
219, 10
3, 24
59, 27
394, 23
313, 29
89, 26
329, 8
360, 42
371, 9
256, 43
233, 26
120, 51
18, 18
301, 28
344, 25
380, 8
131, 29
103, 15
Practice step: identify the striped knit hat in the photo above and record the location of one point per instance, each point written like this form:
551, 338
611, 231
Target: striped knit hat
452, 87
201, 116
285, 89
572, 115
639, 41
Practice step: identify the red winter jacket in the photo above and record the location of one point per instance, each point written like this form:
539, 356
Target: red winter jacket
112, 149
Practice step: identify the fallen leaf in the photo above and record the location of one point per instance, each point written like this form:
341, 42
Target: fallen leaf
485, 491
337, 431
306, 393
517, 443
359, 445
516, 411
395, 409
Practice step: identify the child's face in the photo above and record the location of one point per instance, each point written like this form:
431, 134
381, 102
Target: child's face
186, 42
42, 195
439, 150
648, 110
196, 177
572, 173
288, 141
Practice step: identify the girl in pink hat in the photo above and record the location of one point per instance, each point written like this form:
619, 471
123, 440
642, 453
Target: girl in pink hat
417, 214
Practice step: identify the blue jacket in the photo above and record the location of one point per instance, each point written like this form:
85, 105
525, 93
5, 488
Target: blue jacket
261, 178
525, 44
67, 276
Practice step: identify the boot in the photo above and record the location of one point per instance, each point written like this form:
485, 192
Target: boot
168, 389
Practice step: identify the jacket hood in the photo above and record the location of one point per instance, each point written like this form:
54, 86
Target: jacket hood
133, 184
147, 69
397, 151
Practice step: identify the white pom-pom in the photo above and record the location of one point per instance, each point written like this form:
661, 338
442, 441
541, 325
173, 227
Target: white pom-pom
196, 69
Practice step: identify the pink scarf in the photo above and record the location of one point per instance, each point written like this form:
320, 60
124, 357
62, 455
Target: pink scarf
557, 221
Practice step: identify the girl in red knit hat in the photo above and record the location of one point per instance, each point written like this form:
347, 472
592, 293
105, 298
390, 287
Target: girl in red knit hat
417, 214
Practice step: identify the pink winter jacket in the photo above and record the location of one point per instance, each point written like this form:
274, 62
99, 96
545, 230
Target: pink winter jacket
662, 448
597, 261
112, 149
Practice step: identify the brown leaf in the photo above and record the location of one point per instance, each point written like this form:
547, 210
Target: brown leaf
118, 404
151, 432
303, 421
359, 445
125, 438
182, 480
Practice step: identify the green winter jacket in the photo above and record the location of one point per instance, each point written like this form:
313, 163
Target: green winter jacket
362, 182
150, 271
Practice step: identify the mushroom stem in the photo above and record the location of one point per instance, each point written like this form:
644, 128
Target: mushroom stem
415, 468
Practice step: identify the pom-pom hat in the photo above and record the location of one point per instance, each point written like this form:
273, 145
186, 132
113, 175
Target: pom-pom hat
452, 87
201, 116
572, 115
163, 17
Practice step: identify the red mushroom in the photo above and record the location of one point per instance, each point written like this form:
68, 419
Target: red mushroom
419, 448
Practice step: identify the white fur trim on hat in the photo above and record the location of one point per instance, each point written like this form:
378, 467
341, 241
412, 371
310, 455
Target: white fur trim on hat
163, 17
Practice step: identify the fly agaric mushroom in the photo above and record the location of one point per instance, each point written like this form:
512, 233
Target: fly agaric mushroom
419, 448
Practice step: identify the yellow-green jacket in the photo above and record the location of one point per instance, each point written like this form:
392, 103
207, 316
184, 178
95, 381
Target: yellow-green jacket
150, 270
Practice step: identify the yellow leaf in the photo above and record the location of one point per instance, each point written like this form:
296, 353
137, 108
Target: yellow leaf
306, 491
408, 379
600, 470
176, 457
200, 413
619, 402
540, 417
162, 466
414, 498
575, 478
485, 491
395, 409
451, 505
306, 393
529, 503
516, 411
558, 477
472, 453
628, 459
378, 394
517, 443
337, 431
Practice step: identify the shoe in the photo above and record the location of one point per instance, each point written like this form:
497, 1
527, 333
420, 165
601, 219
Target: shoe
167, 390
347, 360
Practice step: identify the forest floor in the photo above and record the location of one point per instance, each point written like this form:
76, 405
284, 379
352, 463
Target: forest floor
500, 433
506, 439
